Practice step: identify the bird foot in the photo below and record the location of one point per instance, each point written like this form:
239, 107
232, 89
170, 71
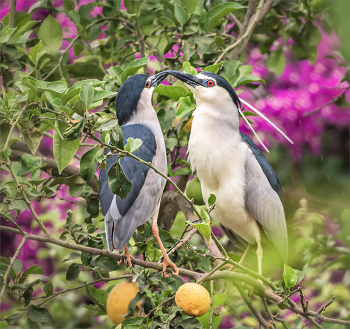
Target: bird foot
126, 258
165, 264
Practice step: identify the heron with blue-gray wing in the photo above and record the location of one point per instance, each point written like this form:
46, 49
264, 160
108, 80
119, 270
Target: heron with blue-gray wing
137, 119
249, 198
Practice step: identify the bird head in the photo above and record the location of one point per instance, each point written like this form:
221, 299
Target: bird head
208, 87
135, 90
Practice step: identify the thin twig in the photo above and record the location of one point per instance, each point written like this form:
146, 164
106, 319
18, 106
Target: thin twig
81, 286
95, 300
334, 99
244, 36
13, 222
184, 241
211, 304
8, 270
24, 197
251, 306
323, 308
272, 318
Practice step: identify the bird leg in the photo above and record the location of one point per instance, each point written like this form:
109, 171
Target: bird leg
126, 257
167, 261
259, 253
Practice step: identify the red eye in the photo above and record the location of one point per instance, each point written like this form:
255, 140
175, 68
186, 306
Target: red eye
147, 84
210, 83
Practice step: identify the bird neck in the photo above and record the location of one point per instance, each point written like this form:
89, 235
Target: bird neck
221, 110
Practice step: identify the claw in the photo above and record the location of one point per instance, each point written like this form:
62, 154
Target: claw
165, 264
126, 258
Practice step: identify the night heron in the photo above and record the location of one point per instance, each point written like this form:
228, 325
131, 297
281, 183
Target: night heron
137, 119
249, 198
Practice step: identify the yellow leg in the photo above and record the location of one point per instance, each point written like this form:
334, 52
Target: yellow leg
259, 253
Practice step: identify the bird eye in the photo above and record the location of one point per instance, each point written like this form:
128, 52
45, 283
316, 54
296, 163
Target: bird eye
210, 83
147, 84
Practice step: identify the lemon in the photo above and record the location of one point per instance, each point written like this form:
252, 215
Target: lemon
193, 299
118, 301
194, 191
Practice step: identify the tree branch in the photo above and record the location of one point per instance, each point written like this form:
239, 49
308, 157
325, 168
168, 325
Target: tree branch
245, 35
226, 275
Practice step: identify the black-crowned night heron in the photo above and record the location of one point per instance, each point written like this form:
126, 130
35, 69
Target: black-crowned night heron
137, 119
249, 198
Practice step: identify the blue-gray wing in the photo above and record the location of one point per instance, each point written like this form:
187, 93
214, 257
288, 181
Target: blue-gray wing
123, 217
264, 198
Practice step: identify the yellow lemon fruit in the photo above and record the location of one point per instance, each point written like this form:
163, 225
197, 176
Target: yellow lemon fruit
193, 299
118, 301
194, 191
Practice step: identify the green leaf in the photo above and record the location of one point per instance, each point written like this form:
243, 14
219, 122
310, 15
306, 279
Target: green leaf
300, 276
220, 11
4, 131
203, 228
79, 107
39, 314
87, 94
173, 92
32, 137
188, 68
211, 200
69, 95
35, 269
73, 272
71, 181
248, 79
74, 16
17, 266
7, 153
117, 181
276, 62
88, 163
102, 94
165, 21
205, 216
14, 318
185, 106
132, 145
50, 33
213, 68
133, 67
29, 164
106, 264
181, 14
72, 256
289, 276
48, 289
63, 150
3, 324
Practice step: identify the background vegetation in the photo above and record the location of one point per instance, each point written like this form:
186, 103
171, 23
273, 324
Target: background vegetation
62, 63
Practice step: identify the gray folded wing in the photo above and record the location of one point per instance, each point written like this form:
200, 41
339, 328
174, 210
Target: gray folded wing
264, 198
122, 217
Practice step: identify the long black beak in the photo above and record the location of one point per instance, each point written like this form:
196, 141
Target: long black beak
187, 78
156, 79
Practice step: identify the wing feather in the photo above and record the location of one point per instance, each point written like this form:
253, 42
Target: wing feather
264, 198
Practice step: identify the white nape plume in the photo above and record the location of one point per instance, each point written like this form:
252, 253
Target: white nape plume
250, 126
264, 117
